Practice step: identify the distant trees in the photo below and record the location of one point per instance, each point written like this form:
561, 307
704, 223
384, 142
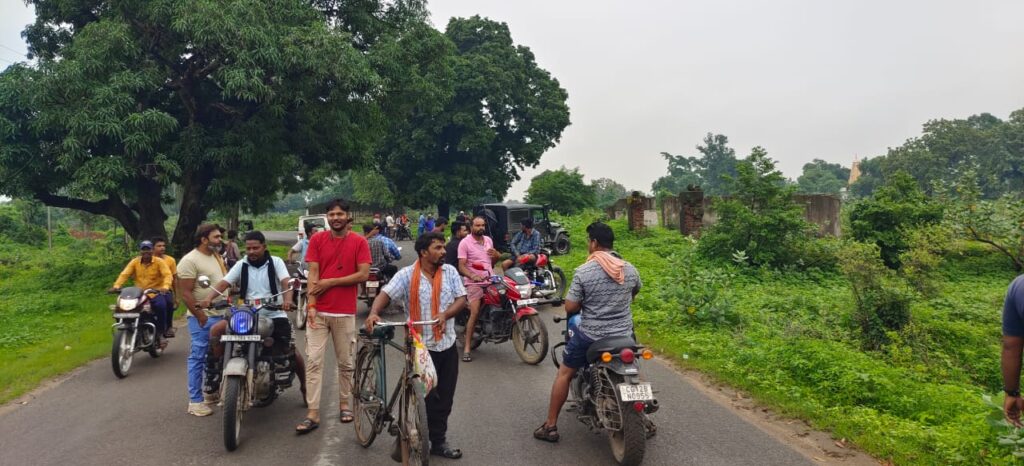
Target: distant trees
562, 189
607, 191
711, 170
821, 177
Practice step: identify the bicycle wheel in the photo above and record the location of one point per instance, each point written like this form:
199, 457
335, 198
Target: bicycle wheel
414, 432
366, 401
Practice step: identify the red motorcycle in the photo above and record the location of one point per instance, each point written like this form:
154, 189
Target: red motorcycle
506, 314
547, 279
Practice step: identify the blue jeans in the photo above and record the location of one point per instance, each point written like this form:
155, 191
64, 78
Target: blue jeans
197, 355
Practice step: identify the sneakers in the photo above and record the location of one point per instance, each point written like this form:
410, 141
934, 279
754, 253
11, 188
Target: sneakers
199, 409
210, 399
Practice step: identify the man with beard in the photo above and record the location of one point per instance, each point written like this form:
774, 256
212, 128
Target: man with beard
338, 262
203, 260
476, 256
459, 230
433, 291
258, 276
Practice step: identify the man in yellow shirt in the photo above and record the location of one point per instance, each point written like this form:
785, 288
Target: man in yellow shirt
149, 272
160, 251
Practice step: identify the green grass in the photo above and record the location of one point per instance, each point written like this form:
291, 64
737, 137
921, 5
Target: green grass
790, 342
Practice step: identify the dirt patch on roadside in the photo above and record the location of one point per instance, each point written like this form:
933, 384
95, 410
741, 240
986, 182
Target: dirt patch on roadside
817, 446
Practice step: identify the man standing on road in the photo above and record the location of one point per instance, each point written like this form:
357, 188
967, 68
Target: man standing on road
338, 262
422, 224
1013, 347
459, 231
203, 260
389, 226
150, 272
602, 290
160, 251
476, 256
418, 284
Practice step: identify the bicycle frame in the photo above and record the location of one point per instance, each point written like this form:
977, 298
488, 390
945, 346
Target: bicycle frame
403, 381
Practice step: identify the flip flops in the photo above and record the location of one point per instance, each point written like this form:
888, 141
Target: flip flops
306, 426
346, 416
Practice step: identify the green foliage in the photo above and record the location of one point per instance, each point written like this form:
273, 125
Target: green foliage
821, 177
711, 170
484, 110
700, 292
920, 263
996, 223
608, 192
881, 297
562, 189
883, 218
760, 218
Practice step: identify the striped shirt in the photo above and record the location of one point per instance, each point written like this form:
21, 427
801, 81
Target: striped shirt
451, 289
605, 303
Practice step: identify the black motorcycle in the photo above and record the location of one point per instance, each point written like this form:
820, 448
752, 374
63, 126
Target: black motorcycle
608, 394
548, 280
253, 376
135, 329
402, 233
301, 298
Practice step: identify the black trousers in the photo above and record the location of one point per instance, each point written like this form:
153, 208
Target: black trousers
440, 400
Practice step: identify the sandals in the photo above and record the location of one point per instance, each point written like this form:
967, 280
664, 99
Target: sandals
467, 358
346, 416
545, 433
446, 451
306, 426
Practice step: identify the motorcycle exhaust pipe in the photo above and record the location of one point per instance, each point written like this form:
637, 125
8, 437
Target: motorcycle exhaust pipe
652, 407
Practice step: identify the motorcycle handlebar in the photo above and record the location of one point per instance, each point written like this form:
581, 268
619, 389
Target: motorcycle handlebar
559, 319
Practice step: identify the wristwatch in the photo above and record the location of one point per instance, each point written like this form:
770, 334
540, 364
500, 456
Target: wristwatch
1014, 393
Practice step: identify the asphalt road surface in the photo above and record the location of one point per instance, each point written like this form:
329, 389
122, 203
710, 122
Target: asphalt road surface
92, 418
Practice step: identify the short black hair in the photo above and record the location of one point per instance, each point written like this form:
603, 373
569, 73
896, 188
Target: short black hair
256, 235
424, 241
204, 230
457, 225
232, 234
441, 221
527, 222
158, 239
601, 233
339, 203
367, 228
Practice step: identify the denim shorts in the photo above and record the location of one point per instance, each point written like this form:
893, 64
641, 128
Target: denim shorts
575, 355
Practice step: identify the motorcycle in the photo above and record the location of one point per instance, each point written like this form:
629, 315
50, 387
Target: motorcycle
301, 298
402, 233
506, 314
371, 287
547, 279
608, 394
252, 375
135, 329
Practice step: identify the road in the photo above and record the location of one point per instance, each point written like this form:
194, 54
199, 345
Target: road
92, 418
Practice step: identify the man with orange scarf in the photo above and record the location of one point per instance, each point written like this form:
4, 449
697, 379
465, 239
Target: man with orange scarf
434, 290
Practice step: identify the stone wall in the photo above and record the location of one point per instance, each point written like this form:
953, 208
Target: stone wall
690, 212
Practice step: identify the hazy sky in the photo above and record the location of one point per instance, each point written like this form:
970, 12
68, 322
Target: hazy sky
805, 79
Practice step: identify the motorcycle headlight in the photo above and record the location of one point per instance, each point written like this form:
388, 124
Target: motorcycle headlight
241, 323
127, 304
524, 290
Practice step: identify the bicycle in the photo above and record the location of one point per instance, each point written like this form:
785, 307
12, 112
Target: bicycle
370, 385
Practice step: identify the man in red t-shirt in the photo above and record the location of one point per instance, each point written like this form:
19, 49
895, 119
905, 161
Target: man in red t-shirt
338, 262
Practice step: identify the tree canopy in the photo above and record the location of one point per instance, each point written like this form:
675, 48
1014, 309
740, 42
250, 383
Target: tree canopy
562, 189
491, 112
821, 177
711, 170
607, 191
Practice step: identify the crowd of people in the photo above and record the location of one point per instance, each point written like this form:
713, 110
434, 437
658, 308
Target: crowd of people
448, 277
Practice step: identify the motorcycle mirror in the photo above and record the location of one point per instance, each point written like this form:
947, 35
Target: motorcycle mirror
204, 281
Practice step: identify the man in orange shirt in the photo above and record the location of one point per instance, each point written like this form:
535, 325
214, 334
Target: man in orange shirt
149, 272
160, 251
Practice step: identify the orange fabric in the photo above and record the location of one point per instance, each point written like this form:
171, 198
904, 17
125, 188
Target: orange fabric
613, 266
435, 297
154, 275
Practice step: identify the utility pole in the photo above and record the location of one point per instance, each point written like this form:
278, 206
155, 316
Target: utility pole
49, 229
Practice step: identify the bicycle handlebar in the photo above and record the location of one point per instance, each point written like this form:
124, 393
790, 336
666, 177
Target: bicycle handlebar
400, 324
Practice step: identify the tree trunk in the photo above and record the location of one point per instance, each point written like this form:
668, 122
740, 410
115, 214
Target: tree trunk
193, 209
232, 212
444, 209
150, 210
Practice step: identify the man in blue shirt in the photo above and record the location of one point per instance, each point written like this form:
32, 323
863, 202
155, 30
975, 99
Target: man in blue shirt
526, 241
1013, 344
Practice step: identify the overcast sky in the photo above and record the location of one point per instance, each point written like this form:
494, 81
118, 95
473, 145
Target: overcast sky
804, 78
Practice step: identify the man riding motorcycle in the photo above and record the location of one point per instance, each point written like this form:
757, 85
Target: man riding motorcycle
602, 290
526, 241
259, 276
150, 272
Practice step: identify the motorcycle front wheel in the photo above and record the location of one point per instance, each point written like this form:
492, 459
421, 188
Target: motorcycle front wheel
300, 311
530, 338
415, 440
122, 353
233, 402
560, 285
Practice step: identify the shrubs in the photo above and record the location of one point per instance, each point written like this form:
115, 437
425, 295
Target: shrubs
697, 293
883, 218
760, 224
882, 300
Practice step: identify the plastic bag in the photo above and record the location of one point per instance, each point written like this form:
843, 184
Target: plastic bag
422, 364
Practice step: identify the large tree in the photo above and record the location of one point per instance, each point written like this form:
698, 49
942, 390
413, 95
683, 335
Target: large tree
608, 191
821, 177
233, 101
712, 170
493, 113
562, 189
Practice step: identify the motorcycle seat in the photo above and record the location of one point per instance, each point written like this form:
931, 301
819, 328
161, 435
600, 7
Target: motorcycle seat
611, 345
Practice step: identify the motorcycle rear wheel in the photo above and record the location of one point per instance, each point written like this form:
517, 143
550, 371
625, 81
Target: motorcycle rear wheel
559, 281
366, 404
628, 445
121, 353
413, 431
530, 339
460, 337
155, 351
300, 311
233, 403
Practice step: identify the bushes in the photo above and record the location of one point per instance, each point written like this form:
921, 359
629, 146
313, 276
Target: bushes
882, 299
883, 218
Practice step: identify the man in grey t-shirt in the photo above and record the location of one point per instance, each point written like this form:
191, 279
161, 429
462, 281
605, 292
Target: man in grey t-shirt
602, 290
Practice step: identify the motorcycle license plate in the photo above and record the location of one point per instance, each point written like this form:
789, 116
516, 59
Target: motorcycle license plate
373, 284
527, 302
638, 392
126, 315
241, 338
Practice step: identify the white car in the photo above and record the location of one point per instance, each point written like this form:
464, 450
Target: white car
307, 222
